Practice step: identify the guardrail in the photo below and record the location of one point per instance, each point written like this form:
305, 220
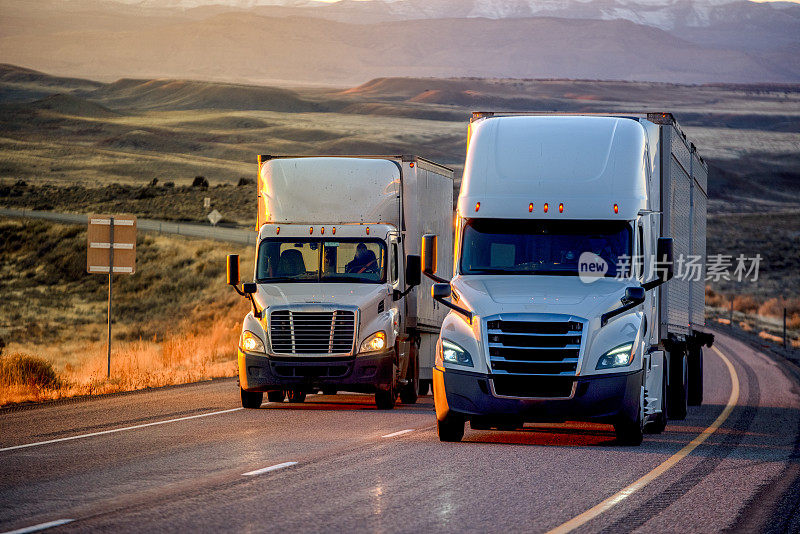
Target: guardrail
229, 235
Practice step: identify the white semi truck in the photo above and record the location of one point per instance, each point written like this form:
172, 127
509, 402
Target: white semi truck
564, 305
336, 263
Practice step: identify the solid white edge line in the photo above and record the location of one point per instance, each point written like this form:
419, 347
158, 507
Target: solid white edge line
114, 430
398, 433
41, 526
268, 469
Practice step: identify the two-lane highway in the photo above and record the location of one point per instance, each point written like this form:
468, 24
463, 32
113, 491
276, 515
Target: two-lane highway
188, 458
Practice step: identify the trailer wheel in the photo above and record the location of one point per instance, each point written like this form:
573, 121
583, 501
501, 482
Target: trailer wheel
251, 399
408, 394
451, 428
695, 376
276, 396
296, 395
678, 387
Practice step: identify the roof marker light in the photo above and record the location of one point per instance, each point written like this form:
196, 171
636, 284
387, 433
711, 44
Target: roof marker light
477, 206
322, 230
616, 208
277, 230
310, 229
367, 230
333, 230
561, 208
546, 207
530, 207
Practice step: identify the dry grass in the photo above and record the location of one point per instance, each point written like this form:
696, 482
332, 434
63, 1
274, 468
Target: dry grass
176, 320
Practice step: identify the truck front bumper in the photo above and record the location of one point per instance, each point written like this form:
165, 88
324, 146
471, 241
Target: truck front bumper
603, 398
367, 373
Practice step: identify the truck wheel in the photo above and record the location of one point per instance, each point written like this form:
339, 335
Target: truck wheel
678, 388
451, 429
276, 396
657, 425
425, 386
695, 376
296, 395
385, 399
629, 431
408, 394
251, 399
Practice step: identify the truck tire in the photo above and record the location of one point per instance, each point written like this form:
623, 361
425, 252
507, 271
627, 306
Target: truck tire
251, 399
659, 423
678, 393
425, 386
629, 431
695, 376
451, 429
385, 399
276, 396
296, 395
408, 394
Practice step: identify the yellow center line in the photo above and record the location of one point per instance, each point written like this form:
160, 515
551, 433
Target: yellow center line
627, 491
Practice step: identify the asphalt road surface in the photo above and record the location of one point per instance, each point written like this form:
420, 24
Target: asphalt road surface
190, 459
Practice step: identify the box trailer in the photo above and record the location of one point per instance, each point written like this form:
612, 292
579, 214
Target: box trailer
565, 301
335, 305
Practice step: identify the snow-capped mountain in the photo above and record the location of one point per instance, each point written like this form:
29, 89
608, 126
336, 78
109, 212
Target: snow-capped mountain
664, 14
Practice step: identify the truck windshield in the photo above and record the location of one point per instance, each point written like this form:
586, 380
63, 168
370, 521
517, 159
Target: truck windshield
321, 260
506, 246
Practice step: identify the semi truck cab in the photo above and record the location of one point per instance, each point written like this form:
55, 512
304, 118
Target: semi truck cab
561, 254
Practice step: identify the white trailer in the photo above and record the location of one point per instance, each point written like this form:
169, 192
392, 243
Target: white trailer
564, 304
337, 260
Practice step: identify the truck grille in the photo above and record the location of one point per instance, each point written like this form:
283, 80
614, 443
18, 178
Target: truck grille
534, 348
328, 332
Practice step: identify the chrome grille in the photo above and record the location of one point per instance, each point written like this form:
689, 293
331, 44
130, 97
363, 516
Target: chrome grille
326, 332
544, 348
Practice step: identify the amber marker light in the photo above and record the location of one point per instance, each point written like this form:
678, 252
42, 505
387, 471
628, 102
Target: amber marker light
530, 207
616, 208
477, 206
322, 230
411, 164
561, 208
310, 229
333, 230
277, 230
546, 207
367, 230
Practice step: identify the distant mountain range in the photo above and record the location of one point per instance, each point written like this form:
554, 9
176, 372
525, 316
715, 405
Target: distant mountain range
347, 42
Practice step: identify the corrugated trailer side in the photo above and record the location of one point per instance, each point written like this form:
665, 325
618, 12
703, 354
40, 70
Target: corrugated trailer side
684, 199
427, 204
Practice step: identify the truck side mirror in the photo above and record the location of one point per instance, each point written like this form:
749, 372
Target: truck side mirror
233, 269
441, 291
413, 270
248, 288
429, 254
665, 260
633, 295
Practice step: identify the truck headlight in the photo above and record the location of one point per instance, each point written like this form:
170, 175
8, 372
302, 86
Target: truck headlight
619, 356
374, 342
452, 353
251, 342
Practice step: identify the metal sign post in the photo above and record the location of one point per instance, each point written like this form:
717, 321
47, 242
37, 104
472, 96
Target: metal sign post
115, 233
